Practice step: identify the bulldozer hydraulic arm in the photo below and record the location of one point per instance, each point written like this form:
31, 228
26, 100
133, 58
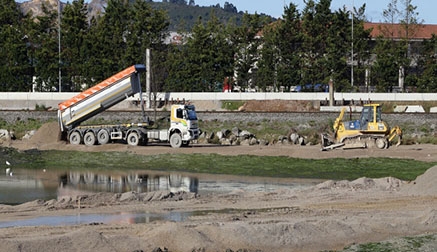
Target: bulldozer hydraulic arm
395, 131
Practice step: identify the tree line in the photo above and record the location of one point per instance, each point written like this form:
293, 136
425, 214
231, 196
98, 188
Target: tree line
315, 45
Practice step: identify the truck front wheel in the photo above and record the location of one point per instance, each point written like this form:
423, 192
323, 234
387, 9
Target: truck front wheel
75, 138
133, 138
175, 140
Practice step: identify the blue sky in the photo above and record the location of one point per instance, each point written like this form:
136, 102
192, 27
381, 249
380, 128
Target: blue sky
374, 8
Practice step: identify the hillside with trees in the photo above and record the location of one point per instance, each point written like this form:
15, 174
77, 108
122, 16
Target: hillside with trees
183, 15
311, 46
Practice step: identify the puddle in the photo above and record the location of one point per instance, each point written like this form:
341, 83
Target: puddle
25, 185
118, 218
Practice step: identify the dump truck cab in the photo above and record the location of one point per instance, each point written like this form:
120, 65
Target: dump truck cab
183, 121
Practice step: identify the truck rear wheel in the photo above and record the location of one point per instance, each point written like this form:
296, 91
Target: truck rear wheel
133, 138
75, 138
176, 140
89, 139
103, 137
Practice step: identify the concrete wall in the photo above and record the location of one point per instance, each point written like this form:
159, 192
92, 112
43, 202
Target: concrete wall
19, 101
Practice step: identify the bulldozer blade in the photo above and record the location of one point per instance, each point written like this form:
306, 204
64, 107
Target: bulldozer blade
332, 146
355, 146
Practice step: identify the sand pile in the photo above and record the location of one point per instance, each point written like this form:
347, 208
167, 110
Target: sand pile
48, 133
388, 183
424, 184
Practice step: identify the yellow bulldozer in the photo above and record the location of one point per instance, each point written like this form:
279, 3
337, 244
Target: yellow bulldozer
369, 131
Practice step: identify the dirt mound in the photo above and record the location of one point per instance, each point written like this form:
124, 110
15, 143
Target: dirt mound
384, 184
424, 184
48, 133
278, 106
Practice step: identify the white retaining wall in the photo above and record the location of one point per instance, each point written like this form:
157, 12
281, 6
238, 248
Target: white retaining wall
302, 96
21, 100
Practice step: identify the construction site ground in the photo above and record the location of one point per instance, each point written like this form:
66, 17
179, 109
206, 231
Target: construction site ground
328, 216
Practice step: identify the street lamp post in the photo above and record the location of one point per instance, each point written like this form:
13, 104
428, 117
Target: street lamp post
59, 45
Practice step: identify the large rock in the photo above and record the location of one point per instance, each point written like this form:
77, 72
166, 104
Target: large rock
294, 138
235, 131
29, 135
220, 135
245, 134
4, 135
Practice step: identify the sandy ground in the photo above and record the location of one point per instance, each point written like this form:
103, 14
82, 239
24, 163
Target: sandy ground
328, 216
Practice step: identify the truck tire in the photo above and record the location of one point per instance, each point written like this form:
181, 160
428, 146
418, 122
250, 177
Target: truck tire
89, 139
103, 137
176, 140
133, 138
75, 138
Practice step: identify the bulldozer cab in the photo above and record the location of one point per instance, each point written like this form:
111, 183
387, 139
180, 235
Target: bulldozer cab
371, 120
370, 114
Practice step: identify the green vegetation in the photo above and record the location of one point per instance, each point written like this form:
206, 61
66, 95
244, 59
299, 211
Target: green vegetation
245, 165
19, 127
308, 45
405, 244
232, 105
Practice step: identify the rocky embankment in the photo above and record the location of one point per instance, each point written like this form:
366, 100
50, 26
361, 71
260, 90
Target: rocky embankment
236, 136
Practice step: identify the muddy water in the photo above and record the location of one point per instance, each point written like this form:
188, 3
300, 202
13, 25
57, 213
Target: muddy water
90, 219
21, 185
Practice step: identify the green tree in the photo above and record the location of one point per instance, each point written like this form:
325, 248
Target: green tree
74, 27
410, 24
146, 30
109, 40
289, 40
398, 50
316, 22
338, 50
46, 57
385, 70
246, 41
427, 82
14, 65
204, 61
361, 47
268, 59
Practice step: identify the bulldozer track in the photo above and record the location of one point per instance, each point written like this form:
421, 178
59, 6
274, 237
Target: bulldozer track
367, 141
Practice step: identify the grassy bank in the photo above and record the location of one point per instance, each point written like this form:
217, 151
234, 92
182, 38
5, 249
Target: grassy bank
246, 165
